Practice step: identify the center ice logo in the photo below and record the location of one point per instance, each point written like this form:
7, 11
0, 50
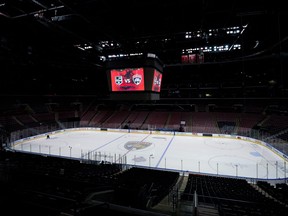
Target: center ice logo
136, 145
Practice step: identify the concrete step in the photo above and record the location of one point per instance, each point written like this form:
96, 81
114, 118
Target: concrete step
185, 208
207, 210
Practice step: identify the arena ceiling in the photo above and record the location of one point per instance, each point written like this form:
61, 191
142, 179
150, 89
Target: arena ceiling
73, 39
104, 27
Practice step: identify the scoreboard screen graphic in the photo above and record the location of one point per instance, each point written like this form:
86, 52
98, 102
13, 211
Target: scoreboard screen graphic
129, 79
157, 79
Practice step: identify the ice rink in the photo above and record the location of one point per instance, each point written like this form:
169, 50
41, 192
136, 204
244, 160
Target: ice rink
192, 153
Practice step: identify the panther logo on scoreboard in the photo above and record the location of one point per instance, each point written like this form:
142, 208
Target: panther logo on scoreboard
137, 79
118, 80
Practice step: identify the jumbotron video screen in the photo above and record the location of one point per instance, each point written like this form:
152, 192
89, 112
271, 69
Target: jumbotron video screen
129, 79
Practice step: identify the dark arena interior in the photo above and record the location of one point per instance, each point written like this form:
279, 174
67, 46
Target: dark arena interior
203, 67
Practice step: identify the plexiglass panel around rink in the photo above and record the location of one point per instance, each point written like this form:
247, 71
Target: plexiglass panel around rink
204, 153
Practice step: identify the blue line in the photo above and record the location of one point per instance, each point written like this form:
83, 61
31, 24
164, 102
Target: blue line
104, 145
165, 151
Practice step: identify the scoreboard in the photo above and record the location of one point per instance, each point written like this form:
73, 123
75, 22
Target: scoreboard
135, 78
